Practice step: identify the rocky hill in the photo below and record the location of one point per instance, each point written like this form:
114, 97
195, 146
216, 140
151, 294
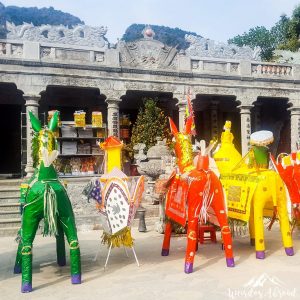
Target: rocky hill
36, 16
169, 36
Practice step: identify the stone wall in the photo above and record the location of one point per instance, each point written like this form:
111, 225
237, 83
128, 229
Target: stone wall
85, 212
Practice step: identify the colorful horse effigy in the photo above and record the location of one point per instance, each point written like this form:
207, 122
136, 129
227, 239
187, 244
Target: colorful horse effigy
117, 198
191, 192
253, 191
44, 197
288, 167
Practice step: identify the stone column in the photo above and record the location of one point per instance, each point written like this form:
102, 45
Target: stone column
245, 111
32, 104
295, 127
113, 123
214, 133
182, 109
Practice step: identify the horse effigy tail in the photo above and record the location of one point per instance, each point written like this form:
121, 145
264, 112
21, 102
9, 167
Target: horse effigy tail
50, 211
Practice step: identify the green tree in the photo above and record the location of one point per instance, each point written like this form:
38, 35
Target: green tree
291, 41
283, 35
259, 36
151, 123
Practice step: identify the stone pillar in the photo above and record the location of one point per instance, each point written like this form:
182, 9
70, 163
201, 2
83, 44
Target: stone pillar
182, 109
32, 104
214, 133
295, 127
245, 111
181, 104
113, 123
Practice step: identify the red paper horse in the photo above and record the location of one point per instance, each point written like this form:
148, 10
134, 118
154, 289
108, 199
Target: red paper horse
191, 192
288, 167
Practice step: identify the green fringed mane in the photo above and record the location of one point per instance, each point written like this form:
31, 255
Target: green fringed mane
35, 150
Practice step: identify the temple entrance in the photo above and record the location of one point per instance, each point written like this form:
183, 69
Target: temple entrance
79, 153
11, 105
133, 100
70, 99
211, 112
272, 114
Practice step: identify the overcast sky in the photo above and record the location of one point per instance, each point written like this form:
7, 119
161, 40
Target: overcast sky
214, 19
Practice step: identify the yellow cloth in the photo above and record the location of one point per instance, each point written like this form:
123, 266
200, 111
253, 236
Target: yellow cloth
226, 156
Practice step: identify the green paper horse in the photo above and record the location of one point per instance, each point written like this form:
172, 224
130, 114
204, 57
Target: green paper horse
46, 198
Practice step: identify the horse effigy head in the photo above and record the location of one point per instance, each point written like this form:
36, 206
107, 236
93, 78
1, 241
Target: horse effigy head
183, 146
44, 143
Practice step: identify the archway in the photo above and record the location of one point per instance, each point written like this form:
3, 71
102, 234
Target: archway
272, 114
11, 106
133, 100
211, 112
79, 153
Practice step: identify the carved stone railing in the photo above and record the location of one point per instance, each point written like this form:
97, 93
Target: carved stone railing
14, 49
54, 53
110, 57
50, 53
268, 69
215, 66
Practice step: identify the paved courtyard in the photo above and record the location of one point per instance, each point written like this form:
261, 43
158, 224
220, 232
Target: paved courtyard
276, 277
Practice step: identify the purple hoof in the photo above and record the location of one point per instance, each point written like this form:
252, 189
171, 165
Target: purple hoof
188, 268
260, 254
76, 279
252, 242
164, 252
62, 262
17, 270
289, 251
26, 287
230, 262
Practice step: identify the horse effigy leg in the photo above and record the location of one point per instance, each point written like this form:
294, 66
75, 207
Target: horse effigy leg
18, 262
219, 208
29, 227
252, 228
60, 246
167, 237
69, 228
259, 200
192, 239
284, 221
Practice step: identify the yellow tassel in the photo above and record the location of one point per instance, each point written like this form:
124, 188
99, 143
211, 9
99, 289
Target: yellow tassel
119, 239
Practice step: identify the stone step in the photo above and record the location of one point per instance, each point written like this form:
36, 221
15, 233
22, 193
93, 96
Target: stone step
9, 188
9, 231
9, 206
10, 183
5, 193
9, 196
9, 214
13, 222
9, 200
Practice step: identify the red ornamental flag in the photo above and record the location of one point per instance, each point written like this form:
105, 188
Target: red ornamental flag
190, 114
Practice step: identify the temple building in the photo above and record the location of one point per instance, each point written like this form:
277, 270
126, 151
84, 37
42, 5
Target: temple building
48, 68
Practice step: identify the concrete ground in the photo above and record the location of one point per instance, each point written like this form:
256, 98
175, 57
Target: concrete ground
276, 277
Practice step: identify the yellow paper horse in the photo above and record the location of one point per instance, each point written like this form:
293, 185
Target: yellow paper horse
252, 190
